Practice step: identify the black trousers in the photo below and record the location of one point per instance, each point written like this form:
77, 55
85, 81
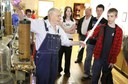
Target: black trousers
80, 54
67, 51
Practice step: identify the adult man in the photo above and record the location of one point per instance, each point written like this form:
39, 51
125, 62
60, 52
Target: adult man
28, 13
91, 43
84, 24
49, 37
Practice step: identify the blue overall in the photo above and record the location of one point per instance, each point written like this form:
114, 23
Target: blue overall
46, 59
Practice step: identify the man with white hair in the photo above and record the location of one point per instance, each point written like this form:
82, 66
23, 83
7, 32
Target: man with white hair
84, 25
49, 37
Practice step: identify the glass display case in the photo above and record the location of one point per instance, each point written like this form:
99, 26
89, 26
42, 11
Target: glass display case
5, 58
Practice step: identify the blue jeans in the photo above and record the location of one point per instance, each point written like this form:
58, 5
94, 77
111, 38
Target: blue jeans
88, 59
98, 66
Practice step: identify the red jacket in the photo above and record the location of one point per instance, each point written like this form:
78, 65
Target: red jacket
116, 45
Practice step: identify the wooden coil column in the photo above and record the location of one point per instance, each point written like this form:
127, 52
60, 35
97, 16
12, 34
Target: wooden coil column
8, 23
24, 40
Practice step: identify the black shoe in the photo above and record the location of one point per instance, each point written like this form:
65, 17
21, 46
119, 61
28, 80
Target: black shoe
67, 74
78, 61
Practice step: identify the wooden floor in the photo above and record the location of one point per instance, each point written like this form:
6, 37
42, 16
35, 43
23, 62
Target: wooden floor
77, 71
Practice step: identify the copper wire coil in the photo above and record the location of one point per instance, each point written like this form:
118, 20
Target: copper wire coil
8, 23
24, 41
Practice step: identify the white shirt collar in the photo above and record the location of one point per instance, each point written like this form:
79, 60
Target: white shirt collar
50, 26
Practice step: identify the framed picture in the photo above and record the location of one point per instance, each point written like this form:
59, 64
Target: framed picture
124, 16
78, 10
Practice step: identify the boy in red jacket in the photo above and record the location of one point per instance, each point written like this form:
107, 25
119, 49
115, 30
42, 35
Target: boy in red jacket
108, 45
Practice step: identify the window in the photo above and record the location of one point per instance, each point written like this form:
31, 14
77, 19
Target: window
43, 8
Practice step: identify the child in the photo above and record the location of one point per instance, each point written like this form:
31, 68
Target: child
108, 45
70, 25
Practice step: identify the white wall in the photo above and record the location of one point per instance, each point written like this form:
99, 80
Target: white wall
120, 5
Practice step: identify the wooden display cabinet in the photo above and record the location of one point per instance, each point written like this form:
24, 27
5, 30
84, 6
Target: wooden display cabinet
120, 64
120, 59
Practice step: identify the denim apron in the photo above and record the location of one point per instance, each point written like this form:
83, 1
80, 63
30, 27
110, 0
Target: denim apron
46, 59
